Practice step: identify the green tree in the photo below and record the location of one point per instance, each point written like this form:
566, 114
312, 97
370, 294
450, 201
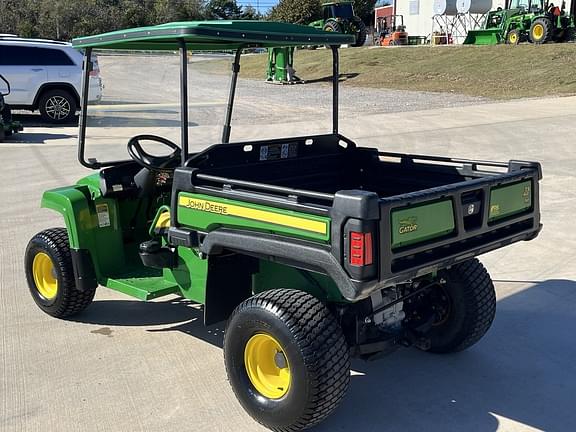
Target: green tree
250, 13
223, 9
365, 10
19, 17
296, 11
136, 13
177, 10
65, 19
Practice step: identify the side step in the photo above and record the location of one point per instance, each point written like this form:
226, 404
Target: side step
143, 288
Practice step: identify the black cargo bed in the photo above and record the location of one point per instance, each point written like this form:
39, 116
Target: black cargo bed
362, 189
330, 163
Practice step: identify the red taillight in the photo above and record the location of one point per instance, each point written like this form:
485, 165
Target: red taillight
94, 69
360, 248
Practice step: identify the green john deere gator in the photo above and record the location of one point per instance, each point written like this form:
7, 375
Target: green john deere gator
536, 21
314, 249
339, 17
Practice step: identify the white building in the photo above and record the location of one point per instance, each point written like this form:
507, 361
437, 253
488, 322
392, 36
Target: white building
418, 14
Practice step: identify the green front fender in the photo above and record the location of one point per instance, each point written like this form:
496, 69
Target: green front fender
102, 239
72, 202
317, 24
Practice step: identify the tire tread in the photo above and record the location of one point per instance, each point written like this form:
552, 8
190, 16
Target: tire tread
74, 301
322, 343
480, 299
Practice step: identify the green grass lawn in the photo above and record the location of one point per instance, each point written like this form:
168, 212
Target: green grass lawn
498, 72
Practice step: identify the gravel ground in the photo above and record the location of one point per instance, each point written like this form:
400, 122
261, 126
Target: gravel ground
313, 100
256, 102
144, 91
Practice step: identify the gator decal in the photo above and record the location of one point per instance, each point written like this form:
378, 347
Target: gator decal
408, 225
422, 222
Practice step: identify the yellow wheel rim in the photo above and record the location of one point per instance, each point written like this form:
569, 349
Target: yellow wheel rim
45, 276
538, 31
513, 38
267, 366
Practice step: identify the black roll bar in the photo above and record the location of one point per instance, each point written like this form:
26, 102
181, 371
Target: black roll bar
335, 83
86, 66
228, 121
183, 100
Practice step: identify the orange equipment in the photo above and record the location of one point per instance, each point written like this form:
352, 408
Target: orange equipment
391, 30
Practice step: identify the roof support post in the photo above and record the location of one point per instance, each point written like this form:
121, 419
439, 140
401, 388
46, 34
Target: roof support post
335, 83
86, 67
183, 100
227, 122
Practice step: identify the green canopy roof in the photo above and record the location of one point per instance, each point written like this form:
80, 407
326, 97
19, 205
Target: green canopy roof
213, 35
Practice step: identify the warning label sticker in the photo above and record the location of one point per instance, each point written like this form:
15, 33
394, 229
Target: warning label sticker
278, 151
103, 215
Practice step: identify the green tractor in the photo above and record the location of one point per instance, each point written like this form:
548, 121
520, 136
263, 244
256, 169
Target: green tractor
537, 21
8, 127
339, 17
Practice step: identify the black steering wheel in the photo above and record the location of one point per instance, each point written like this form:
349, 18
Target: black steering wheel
153, 163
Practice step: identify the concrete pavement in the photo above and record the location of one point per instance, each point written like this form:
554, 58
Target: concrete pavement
130, 366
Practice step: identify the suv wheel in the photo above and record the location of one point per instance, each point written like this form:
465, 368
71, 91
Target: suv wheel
57, 106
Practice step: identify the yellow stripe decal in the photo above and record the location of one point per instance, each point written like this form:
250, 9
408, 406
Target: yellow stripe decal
254, 214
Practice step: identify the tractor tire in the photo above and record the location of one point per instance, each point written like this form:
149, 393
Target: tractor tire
513, 37
57, 106
332, 26
471, 299
286, 359
50, 276
360, 31
540, 31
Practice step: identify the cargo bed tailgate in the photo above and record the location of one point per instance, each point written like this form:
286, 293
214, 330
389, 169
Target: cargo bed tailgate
423, 231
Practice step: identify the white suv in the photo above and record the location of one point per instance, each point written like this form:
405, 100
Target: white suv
46, 75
